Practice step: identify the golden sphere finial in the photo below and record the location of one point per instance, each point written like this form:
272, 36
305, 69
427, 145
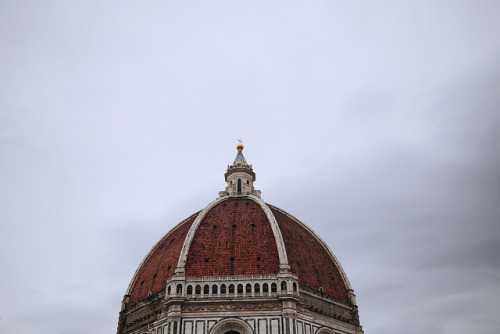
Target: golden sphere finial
240, 146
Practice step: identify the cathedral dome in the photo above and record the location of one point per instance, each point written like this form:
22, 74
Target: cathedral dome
241, 235
240, 266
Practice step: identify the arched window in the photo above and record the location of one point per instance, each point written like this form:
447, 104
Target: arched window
239, 186
248, 182
283, 286
197, 290
231, 326
265, 287
206, 289
256, 288
214, 289
169, 290
324, 331
179, 288
223, 289
248, 288
190, 289
240, 288
294, 287
274, 287
231, 288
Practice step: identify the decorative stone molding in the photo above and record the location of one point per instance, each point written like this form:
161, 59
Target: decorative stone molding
252, 287
223, 307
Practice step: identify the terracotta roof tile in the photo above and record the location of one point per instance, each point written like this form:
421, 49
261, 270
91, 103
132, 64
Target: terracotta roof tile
309, 259
234, 238
161, 263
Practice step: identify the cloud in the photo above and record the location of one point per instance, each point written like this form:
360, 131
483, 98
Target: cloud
376, 124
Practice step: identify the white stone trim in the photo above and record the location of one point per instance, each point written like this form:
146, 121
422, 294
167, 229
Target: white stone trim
181, 266
335, 260
276, 230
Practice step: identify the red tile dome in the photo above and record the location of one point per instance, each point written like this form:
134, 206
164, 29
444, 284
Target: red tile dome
240, 235
240, 266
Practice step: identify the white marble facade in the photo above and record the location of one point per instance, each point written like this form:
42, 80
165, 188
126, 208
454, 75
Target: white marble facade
255, 325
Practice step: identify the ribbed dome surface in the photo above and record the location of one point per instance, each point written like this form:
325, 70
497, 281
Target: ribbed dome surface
160, 263
235, 237
309, 259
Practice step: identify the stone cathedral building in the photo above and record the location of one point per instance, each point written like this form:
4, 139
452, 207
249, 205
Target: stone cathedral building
240, 266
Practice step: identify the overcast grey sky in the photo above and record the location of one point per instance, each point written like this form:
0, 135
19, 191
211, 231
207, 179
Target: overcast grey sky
374, 122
